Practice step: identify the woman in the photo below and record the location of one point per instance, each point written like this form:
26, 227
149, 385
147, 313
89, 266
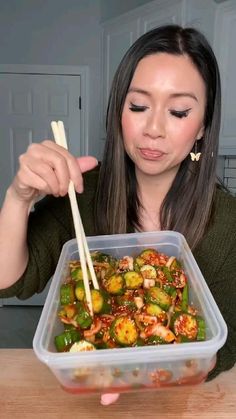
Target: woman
158, 172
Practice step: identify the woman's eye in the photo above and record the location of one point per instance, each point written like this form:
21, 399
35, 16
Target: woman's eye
137, 108
180, 114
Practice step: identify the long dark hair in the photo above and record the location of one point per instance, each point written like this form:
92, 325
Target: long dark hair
187, 207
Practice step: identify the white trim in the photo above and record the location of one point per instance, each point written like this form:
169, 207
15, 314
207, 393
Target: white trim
82, 71
226, 150
225, 14
139, 11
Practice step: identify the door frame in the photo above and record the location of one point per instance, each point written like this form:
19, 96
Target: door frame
82, 71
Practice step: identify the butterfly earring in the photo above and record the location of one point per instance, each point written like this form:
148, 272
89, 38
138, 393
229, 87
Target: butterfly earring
195, 156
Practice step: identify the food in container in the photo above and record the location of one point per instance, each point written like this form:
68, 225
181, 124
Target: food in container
136, 367
142, 300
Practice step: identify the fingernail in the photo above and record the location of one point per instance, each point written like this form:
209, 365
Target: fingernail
109, 398
79, 189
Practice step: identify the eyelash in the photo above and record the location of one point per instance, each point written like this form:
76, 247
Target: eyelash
180, 114
136, 108
177, 114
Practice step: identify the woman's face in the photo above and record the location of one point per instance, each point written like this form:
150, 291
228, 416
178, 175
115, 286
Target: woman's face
163, 113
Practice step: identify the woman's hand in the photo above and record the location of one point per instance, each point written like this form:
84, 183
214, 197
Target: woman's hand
47, 168
109, 398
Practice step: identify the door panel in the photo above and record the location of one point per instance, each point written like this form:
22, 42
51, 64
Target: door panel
28, 104
116, 40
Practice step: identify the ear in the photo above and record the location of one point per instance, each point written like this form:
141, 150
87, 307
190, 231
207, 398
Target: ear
200, 133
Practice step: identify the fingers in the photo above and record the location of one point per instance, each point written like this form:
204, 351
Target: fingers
44, 169
48, 168
76, 166
109, 398
87, 163
39, 175
66, 167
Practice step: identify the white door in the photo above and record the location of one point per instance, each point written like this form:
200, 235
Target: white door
116, 40
28, 103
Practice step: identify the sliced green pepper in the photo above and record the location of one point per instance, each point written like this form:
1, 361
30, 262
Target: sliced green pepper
201, 334
127, 300
170, 289
68, 326
83, 318
100, 301
68, 311
167, 274
155, 310
77, 274
184, 304
140, 342
103, 257
65, 339
156, 295
67, 294
155, 340
80, 291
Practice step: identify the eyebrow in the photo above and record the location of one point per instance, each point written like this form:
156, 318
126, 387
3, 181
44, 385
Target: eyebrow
173, 95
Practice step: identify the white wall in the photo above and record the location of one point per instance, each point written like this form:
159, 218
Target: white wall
62, 32
55, 32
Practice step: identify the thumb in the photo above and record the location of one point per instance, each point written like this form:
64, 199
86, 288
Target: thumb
87, 163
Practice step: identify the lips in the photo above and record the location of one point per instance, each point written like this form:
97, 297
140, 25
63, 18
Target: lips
151, 154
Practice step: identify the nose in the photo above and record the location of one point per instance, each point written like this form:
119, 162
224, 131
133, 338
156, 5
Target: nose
155, 126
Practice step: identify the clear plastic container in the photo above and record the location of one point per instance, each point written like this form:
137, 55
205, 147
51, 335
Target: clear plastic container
131, 369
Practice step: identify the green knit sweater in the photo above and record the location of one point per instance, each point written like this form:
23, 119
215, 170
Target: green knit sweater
51, 225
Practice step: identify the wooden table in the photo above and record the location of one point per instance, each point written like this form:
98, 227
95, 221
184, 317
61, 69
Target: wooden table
29, 390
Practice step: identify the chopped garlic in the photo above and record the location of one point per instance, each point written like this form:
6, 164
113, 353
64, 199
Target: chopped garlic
138, 302
82, 346
170, 261
126, 263
148, 283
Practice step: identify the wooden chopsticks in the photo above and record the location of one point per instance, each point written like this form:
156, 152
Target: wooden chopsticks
60, 138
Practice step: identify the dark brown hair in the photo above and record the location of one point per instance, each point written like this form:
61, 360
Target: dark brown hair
187, 206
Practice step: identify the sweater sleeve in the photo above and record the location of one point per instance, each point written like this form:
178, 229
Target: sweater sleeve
216, 257
224, 291
50, 226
